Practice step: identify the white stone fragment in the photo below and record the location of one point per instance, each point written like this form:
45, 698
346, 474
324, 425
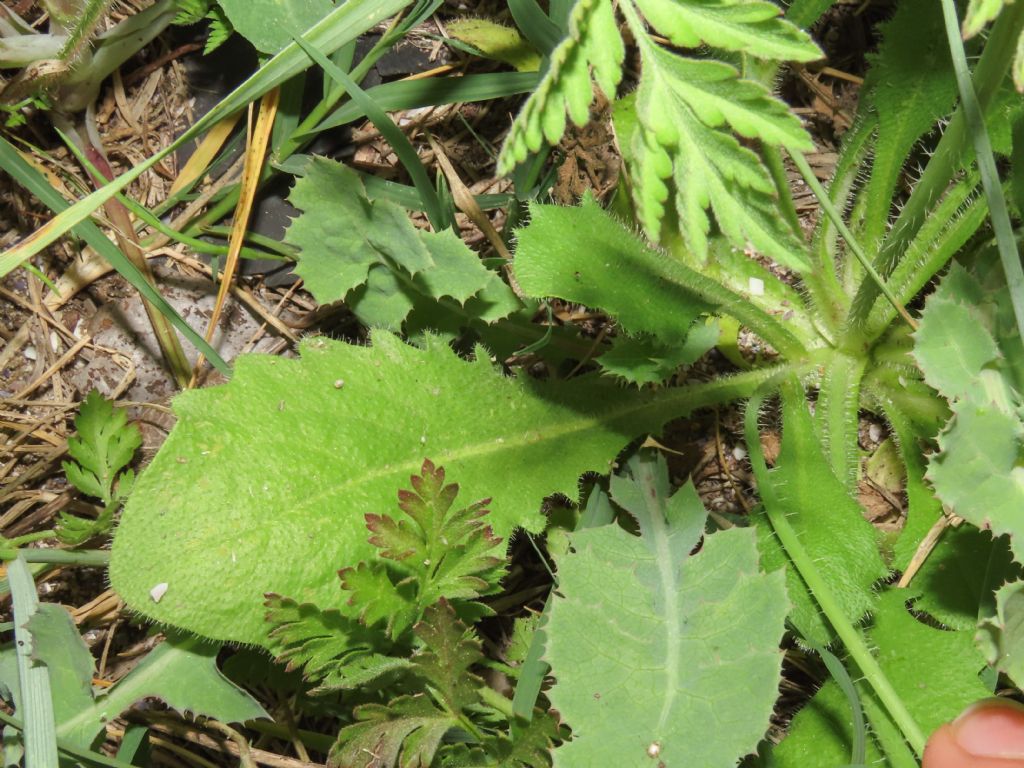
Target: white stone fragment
157, 593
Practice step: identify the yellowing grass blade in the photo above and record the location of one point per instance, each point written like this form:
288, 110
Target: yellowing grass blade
204, 154
255, 154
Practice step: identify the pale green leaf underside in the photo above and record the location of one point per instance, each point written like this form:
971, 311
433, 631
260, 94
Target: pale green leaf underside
966, 352
640, 670
1001, 637
755, 28
270, 25
263, 484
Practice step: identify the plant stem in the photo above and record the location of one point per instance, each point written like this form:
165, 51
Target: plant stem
819, 588
987, 165
85, 557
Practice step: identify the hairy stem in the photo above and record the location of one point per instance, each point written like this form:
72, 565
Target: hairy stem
819, 588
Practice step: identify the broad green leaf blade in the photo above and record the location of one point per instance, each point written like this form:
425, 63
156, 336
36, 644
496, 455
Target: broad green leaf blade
180, 672
934, 671
270, 24
295, 468
817, 506
969, 350
1001, 637
340, 233
653, 649
585, 255
369, 252
754, 28
496, 41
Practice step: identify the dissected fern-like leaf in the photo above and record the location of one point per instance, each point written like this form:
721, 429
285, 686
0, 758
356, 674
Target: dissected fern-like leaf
104, 446
332, 650
686, 110
593, 48
408, 730
443, 553
682, 109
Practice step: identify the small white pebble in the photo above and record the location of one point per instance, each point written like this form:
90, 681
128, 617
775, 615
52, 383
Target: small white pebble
875, 433
157, 593
739, 453
30, 353
339, 383
756, 286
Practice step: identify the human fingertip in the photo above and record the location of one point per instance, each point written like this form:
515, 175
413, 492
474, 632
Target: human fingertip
993, 728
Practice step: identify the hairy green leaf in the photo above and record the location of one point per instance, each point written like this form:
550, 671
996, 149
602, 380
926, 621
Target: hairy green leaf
297, 468
935, 673
496, 41
585, 255
270, 25
817, 505
636, 641
909, 87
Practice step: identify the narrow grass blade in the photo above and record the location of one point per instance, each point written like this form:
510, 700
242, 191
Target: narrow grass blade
207, 150
535, 25
1005, 240
837, 219
337, 28
40, 732
13, 163
411, 94
439, 218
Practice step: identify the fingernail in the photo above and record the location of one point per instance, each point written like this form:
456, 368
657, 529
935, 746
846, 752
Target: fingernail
993, 728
